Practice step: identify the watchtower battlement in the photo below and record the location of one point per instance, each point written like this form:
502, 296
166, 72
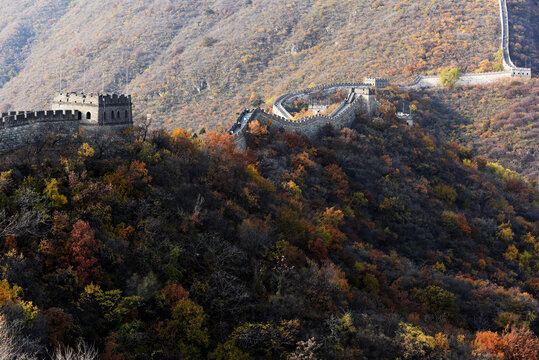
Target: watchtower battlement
92, 99
525, 73
76, 98
114, 99
379, 83
97, 109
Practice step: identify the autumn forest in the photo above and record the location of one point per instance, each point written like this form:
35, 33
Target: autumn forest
385, 239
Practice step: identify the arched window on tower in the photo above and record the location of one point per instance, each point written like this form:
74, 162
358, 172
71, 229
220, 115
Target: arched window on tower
112, 115
119, 114
79, 115
88, 116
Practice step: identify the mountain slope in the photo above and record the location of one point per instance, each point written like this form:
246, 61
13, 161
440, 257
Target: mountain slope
369, 242
193, 63
500, 122
524, 32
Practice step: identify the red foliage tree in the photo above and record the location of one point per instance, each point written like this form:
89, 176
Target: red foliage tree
82, 247
463, 224
317, 249
517, 186
335, 175
172, 293
59, 323
295, 142
517, 344
11, 243
488, 342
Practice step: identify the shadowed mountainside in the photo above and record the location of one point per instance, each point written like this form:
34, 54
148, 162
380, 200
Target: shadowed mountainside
524, 32
498, 122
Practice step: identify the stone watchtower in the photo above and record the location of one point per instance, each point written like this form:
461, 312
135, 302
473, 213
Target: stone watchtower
97, 109
377, 82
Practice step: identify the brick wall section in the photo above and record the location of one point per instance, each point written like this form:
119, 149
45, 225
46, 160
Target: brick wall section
482, 78
20, 128
278, 107
311, 125
26, 127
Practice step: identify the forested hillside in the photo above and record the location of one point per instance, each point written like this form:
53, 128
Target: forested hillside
370, 242
524, 32
194, 63
499, 121
377, 241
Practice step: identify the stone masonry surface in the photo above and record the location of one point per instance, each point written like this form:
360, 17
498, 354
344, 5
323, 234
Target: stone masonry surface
71, 113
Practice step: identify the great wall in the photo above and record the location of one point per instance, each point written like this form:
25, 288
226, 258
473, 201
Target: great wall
510, 70
364, 101
71, 115
72, 112
361, 99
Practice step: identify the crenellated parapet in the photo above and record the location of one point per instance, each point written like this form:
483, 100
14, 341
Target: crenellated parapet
70, 113
22, 118
22, 128
362, 101
278, 106
77, 98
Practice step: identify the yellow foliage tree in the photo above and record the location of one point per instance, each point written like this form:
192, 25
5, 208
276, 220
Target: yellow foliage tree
86, 151
52, 192
449, 77
13, 294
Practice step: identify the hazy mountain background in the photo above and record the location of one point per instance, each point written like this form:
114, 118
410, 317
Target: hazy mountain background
195, 63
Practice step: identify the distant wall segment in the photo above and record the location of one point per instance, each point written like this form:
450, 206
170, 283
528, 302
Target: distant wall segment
504, 19
466, 79
309, 125
278, 105
363, 100
511, 71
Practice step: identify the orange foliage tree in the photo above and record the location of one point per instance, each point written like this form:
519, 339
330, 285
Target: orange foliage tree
517, 344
